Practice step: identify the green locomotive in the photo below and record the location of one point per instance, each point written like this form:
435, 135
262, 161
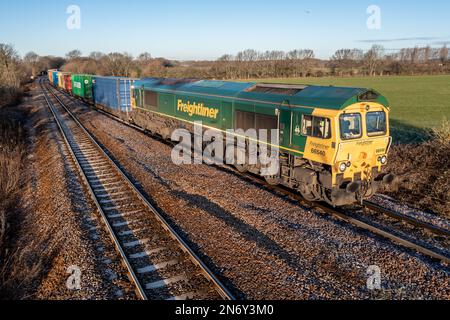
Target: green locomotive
333, 141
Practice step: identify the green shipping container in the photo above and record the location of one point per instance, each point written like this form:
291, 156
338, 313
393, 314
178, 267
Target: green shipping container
82, 86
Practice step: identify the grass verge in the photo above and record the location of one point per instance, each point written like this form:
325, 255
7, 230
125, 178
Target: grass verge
12, 154
424, 170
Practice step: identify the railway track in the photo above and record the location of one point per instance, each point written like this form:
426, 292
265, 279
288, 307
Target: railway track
344, 214
159, 262
347, 216
408, 219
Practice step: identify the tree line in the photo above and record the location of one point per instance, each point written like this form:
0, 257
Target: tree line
252, 64
407, 61
16, 71
247, 64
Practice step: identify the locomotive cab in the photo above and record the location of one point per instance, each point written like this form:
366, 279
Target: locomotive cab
362, 146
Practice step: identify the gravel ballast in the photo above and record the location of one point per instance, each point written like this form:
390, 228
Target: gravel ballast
262, 244
61, 237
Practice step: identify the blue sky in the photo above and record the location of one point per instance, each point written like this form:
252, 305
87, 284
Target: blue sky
206, 29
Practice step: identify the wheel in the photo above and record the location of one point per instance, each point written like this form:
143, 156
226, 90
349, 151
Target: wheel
327, 197
272, 180
307, 192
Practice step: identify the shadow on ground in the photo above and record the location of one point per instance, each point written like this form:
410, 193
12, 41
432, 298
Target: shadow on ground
403, 133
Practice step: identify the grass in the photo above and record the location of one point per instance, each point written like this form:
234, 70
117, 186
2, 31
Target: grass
12, 149
417, 101
12, 152
424, 172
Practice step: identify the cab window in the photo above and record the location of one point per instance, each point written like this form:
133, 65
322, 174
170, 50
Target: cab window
350, 126
317, 127
376, 123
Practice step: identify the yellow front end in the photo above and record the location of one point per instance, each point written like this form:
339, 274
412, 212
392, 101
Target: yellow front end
355, 152
364, 150
362, 145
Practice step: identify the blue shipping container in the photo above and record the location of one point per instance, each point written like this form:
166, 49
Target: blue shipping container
55, 78
113, 92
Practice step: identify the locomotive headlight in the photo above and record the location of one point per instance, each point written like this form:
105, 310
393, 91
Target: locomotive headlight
383, 160
343, 167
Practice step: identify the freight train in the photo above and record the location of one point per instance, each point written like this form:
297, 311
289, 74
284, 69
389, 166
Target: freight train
333, 141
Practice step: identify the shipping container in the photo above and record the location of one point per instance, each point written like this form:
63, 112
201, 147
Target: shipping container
55, 78
68, 82
50, 75
82, 86
61, 79
61, 82
114, 93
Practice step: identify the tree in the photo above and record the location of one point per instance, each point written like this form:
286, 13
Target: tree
224, 67
300, 62
443, 54
32, 60
372, 59
9, 66
144, 57
344, 60
74, 54
427, 54
96, 55
118, 64
12, 74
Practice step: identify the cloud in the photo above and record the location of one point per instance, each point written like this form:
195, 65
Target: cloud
400, 39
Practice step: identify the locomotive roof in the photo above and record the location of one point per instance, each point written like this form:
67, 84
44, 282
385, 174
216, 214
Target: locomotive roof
326, 97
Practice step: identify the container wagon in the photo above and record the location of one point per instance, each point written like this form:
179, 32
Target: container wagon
68, 82
61, 82
50, 75
113, 94
82, 86
55, 78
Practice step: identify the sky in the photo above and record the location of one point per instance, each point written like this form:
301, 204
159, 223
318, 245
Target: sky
197, 30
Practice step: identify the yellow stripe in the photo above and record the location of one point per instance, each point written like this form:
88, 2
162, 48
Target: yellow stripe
220, 130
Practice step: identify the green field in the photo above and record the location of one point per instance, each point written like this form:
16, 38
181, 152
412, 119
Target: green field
416, 101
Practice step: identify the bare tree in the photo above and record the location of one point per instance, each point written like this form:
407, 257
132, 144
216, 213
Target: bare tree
9, 68
300, 61
32, 60
427, 54
144, 57
443, 54
118, 64
74, 54
344, 61
96, 55
372, 59
11, 74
